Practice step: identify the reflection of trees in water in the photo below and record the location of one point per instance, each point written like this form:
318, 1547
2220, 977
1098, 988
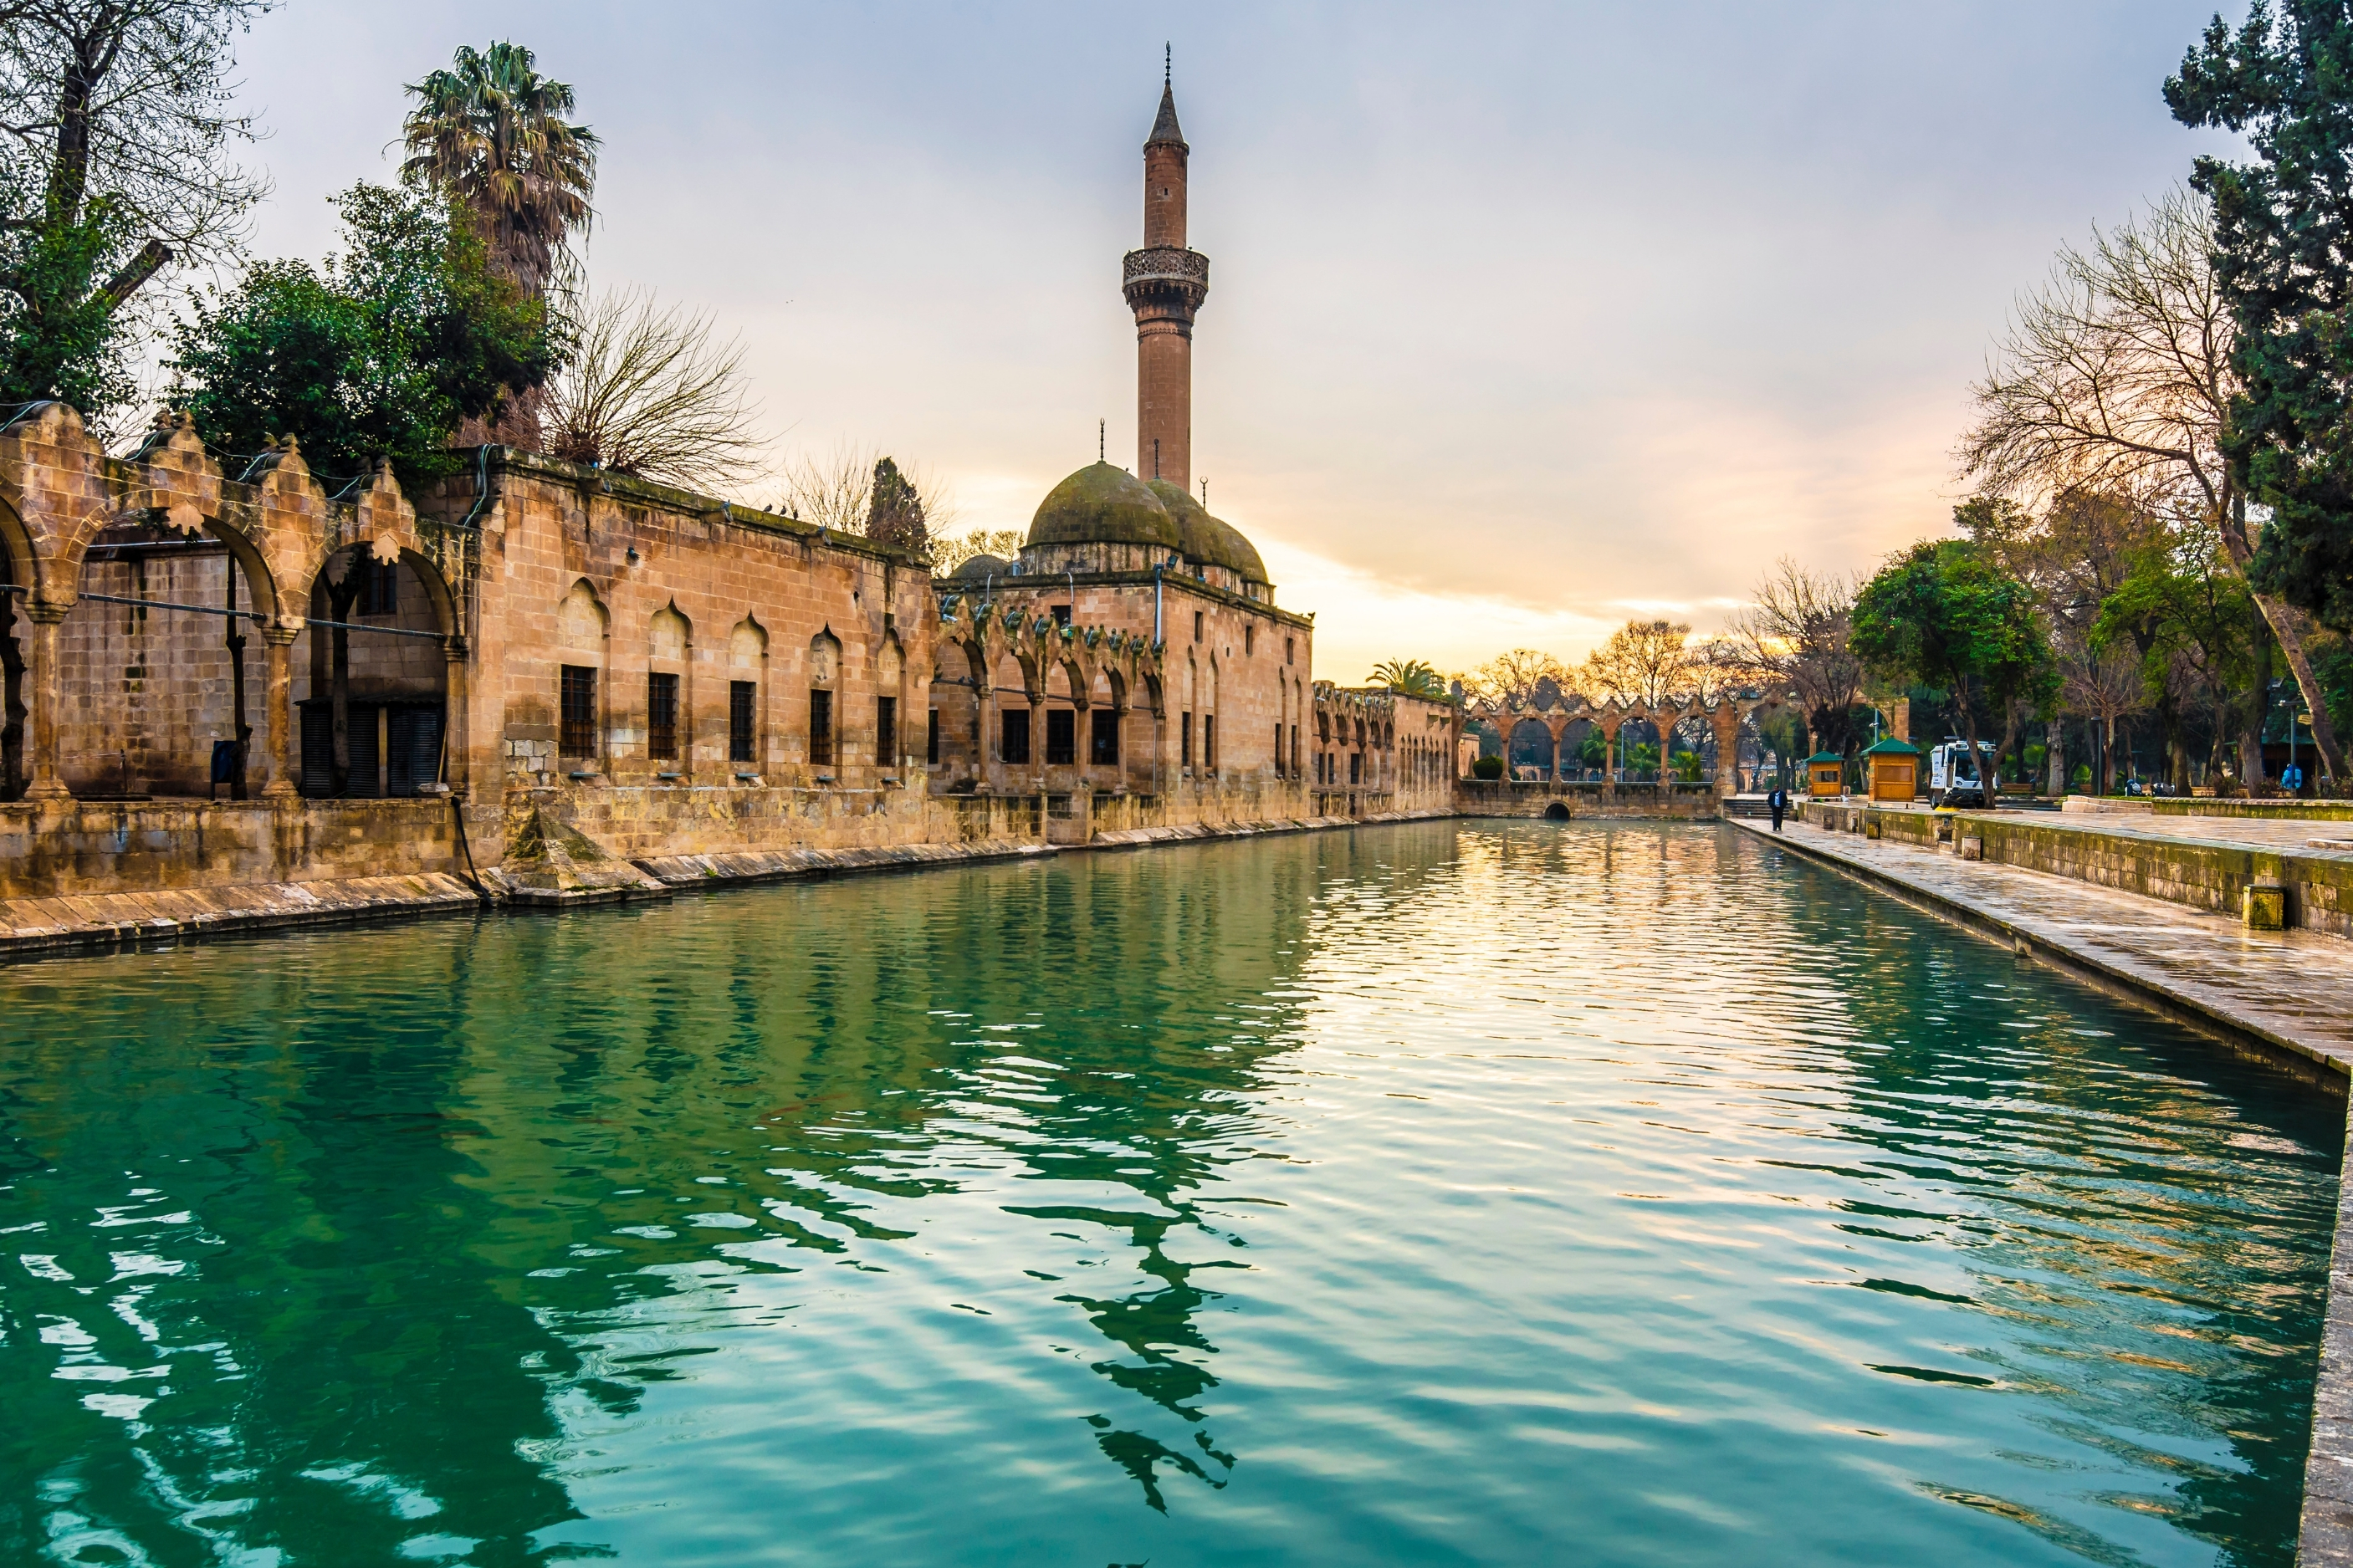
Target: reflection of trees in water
2057, 1169
378, 1137
255, 1228
2105, 1178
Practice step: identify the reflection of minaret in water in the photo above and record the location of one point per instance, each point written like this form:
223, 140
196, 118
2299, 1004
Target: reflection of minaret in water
1165, 283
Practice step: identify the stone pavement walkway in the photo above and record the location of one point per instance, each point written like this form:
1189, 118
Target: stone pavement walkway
2291, 989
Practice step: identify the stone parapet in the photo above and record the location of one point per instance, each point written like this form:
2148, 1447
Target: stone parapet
1517, 797
2315, 888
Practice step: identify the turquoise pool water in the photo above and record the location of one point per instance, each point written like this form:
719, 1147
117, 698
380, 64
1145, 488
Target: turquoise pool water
1440, 1194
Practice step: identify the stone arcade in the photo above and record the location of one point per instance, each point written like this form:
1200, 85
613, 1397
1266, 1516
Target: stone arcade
226, 669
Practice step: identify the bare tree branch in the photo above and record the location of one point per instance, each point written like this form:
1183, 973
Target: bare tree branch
649, 393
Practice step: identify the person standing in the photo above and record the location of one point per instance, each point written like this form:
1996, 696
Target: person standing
1778, 802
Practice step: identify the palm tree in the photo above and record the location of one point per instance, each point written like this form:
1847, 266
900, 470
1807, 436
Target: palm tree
491, 134
1410, 678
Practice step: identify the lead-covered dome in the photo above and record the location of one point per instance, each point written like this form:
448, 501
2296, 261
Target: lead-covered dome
1196, 530
1103, 505
1209, 540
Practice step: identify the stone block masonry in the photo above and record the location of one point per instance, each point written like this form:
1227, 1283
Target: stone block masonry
2310, 889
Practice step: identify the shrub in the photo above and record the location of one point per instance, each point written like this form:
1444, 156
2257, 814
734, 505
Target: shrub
1487, 768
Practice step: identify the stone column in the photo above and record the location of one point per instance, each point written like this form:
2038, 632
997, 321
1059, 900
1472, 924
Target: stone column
454, 714
283, 765
1556, 756
1725, 720
42, 781
1610, 728
1038, 745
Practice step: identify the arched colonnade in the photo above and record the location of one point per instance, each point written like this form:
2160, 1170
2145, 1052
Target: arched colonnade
62, 496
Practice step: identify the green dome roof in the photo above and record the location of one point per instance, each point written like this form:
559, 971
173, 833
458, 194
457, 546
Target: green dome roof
1207, 539
1196, 530
1102, 504
1242, 555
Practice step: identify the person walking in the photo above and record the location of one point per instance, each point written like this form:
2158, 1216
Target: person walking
1778, 802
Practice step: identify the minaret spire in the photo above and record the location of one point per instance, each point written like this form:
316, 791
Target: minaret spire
1165, 283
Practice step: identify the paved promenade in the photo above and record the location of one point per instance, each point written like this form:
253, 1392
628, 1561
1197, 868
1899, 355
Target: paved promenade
2290, 990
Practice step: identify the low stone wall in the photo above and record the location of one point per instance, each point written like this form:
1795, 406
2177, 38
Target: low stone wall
72, 848
1514, 798
2210, 876
640, 821
2276, 810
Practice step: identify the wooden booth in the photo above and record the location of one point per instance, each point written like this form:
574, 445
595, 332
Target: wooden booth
1825, 775
1895, 769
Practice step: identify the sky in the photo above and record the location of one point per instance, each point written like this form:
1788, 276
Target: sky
1524, 320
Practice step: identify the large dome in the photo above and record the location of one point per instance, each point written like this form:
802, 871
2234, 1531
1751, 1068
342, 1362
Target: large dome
1207, 539
1103, 505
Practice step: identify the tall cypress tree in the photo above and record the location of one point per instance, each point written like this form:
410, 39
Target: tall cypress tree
2283, 262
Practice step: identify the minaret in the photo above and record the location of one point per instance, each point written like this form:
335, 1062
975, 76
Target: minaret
1165, 283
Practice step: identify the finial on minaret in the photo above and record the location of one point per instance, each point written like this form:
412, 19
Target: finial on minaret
1102, 449
1205, 492
1168, 65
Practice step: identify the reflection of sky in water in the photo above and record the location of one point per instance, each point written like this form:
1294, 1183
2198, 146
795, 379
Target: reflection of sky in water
1429, 1194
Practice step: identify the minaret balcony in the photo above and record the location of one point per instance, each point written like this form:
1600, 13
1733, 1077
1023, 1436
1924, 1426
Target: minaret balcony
1164, 274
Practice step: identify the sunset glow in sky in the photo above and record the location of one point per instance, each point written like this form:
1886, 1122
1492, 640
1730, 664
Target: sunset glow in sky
1522, 319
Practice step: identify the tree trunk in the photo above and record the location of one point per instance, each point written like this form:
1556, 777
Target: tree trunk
1989, 787
2286, 622
2251, 733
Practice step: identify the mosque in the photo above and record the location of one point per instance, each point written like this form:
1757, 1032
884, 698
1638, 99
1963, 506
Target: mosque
224, 670
1215, 713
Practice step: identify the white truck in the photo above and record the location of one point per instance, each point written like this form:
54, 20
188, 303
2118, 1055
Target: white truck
1953, 775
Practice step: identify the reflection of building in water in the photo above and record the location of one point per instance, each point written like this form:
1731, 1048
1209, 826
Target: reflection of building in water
417, 1253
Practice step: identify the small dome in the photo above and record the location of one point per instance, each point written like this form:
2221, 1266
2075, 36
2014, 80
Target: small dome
1196, 530
981, 566
1208, 540
1102, 504
1242, 555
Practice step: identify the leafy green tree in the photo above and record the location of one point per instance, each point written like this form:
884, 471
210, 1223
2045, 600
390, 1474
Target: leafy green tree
2194, 623
2284, 262
61, 334
114, 161
1940, 613
894, 512
380, 353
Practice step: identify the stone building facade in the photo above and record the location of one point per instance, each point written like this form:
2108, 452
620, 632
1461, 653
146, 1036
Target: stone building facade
219, 668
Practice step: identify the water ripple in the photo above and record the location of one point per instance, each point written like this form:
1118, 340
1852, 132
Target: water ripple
1456, 1193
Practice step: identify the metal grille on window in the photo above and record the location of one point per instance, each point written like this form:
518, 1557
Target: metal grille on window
821, 728
886, 732
580, 734
1061, 736
743, 711
932, 740
379, 587
1105, 750
1014, 744
661, 716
